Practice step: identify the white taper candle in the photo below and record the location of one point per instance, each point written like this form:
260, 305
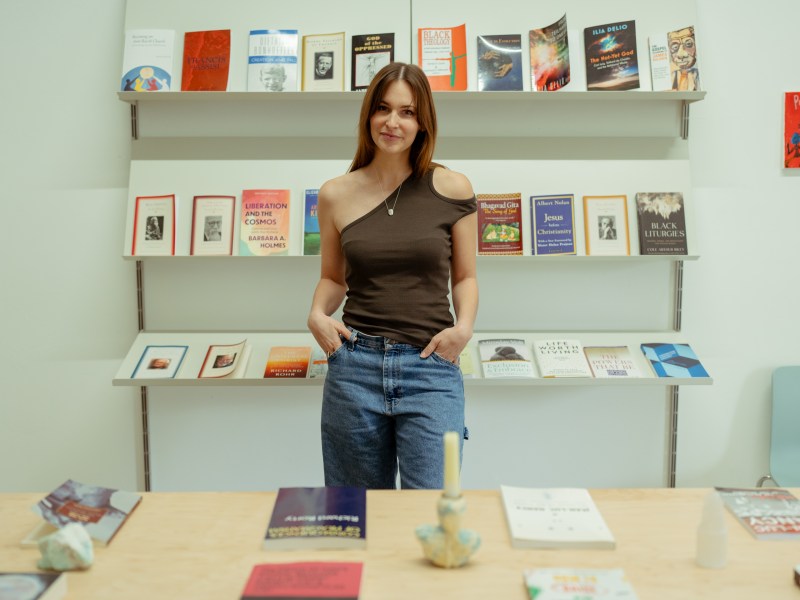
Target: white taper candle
452, 465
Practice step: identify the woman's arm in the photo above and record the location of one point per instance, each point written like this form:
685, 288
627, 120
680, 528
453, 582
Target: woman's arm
331, 288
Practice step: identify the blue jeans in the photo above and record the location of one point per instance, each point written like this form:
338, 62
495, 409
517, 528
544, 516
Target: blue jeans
382, 407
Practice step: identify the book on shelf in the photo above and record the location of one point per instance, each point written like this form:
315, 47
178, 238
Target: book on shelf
288, 362
499, 223
323, 62
304, 581
147, 60
611, 362
791, 130
562, 583
159, 362
661, 223
225, 360
311, 239
318, 518
272, 60
554, 518
442, 55
553, 224
611, 60
465, 363
102, 511
370, 53
673, 360
507, 357
32, 586
206, 60
318, 365
561, 358
549, 50
767, 513
212, 225
499, 62
673, 60
605, 222
264, 229
154, 226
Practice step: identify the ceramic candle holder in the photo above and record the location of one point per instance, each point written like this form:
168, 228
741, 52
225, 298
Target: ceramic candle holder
446, 544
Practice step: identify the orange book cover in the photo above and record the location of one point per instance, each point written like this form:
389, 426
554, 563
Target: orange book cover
206, 60
288, 361
442, 55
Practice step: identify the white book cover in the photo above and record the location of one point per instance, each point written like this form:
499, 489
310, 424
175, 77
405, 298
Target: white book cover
147, 60
561, 358
554, 518
323, 62
582, 584
272, 60
659, 62
505, 358
605, 220
611, 362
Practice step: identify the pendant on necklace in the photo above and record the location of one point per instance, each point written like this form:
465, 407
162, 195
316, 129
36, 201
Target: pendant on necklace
391, 212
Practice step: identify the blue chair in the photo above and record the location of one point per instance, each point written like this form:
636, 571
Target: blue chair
784, 453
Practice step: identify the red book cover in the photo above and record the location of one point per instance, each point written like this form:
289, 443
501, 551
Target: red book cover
442, 55
206, 59
791, 147
304, 580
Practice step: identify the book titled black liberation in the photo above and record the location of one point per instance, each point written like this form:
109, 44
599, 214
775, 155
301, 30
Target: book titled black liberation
317, 518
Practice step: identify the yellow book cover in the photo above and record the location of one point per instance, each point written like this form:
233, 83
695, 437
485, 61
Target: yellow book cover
288, 361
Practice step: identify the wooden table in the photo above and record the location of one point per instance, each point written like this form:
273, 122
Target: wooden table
203, 545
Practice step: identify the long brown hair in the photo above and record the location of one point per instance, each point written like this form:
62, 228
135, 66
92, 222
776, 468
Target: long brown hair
421, 155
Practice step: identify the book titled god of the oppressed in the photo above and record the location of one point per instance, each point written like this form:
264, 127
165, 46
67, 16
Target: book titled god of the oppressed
318, 518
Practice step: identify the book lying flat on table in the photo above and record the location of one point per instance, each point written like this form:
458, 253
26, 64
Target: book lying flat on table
318, 518
578, 584
554, 518
304, 580
767, 513
100, 510
32, 586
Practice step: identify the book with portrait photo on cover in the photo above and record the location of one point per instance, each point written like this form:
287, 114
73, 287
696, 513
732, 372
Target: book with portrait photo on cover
605, 223
272, 60
225, 360
323, 62
212, 225
159, 362
316, 518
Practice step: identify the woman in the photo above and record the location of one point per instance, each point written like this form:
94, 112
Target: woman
396, 230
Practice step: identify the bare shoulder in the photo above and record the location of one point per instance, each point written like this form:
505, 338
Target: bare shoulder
338, 187
452, 184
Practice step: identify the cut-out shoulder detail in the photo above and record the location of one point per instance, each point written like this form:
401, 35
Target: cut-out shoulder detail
450, 185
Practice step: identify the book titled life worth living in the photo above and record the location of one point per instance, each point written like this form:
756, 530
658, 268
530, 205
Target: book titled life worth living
318, 518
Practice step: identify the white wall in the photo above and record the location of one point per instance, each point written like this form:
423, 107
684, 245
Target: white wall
68, 311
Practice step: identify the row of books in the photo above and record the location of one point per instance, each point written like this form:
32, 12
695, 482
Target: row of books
230, 360
556, 358
304, 518
499, 358
277, 62
264, 224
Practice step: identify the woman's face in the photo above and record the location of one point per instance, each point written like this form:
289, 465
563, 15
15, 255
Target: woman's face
394, 124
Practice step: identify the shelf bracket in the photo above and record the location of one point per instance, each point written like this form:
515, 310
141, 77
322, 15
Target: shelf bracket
143, 389
678, 299
672, 435
135, 120
684, 120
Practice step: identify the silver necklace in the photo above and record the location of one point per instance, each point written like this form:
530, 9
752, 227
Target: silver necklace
396, 196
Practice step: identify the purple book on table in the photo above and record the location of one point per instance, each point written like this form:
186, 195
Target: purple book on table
318, 517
